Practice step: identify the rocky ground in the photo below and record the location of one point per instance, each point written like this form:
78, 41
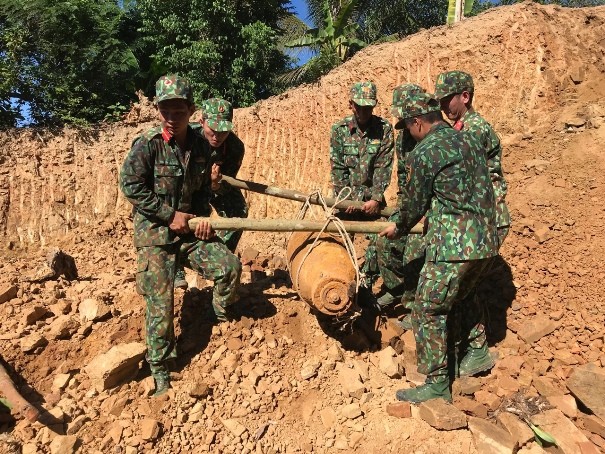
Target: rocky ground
276, 380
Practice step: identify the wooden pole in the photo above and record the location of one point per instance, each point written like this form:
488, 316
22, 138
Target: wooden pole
295, 195
287, 225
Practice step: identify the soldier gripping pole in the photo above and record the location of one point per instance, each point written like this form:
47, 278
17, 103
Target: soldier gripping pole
295, 195
287, 225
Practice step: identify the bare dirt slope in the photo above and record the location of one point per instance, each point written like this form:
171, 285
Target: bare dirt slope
539, 76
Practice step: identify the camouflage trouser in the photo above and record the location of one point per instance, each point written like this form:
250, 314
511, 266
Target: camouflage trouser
230, 205
400, 262
155, 281
445, 312
502, 234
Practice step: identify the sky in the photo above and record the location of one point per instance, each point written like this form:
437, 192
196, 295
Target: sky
301, 10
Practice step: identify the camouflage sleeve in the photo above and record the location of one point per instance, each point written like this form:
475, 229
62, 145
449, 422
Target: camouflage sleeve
231, 164
417, 192
136, 181
383, 166
339, 171
405, 143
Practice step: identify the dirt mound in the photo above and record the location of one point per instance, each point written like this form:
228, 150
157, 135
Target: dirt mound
275, 380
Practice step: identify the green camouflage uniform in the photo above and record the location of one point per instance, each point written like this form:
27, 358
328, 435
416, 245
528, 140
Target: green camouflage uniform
159, 178
363, 161
447, 184
454, 82
400, 260
228, 201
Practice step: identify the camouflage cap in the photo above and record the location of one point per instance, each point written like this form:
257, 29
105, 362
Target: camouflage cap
363, 94
218, 113
401, 92
172, 86
452, 82
414, 104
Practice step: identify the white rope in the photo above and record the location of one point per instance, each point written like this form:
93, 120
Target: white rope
330, 216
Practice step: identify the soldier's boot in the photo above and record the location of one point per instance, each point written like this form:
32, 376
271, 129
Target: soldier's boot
438, 389
179, 279
162, 383
475, 361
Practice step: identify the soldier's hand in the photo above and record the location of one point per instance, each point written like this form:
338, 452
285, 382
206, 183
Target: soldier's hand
390, 232
351, 210
371, 207
216, 176
179, 223
204, 231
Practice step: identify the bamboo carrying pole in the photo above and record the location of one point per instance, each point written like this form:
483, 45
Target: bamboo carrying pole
295, 195
287, 225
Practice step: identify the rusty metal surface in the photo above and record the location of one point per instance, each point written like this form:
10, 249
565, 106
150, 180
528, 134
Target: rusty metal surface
325, 278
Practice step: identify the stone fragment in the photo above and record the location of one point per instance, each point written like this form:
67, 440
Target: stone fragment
234, 344
388, 362
587, 383
546, 387
199, 389
536, 327
118, 364
354, 439
594, 424
586, 447
577, 74
234, 427
60, 382
335, 353
490, 400
470, 406
33, 314
92, 310
489, 438
63, 327
351, 411
566, 403
561, 428
248, 256
517, 428
32, 342
542, 233
7, 293
64, 444
310, 368
441, 415
399, 410
150, 429
77, 424
350, 381
328, 418
467, 385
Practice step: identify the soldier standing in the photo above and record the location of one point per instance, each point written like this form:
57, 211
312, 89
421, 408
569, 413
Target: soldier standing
361, 156
400, 260
226, 152
455, 91
165, 176
446, 182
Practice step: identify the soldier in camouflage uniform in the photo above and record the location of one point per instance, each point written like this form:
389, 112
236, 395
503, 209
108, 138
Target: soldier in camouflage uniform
400, 260
361, 156
167, 177
226, 152
446, 182
455, 90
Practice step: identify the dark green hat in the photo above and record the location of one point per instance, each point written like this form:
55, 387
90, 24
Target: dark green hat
414, 104
218, 113
453, 82
363, 93
172, 86
401, 92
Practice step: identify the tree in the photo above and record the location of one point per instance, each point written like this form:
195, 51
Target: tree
65, 60
225, 48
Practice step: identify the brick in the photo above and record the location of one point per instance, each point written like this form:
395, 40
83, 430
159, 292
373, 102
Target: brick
535, 328
399, 410
441, 415
587, 383
115, 366
490, 438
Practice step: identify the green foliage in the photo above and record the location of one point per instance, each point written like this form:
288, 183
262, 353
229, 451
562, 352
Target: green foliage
226, 48
65, 59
